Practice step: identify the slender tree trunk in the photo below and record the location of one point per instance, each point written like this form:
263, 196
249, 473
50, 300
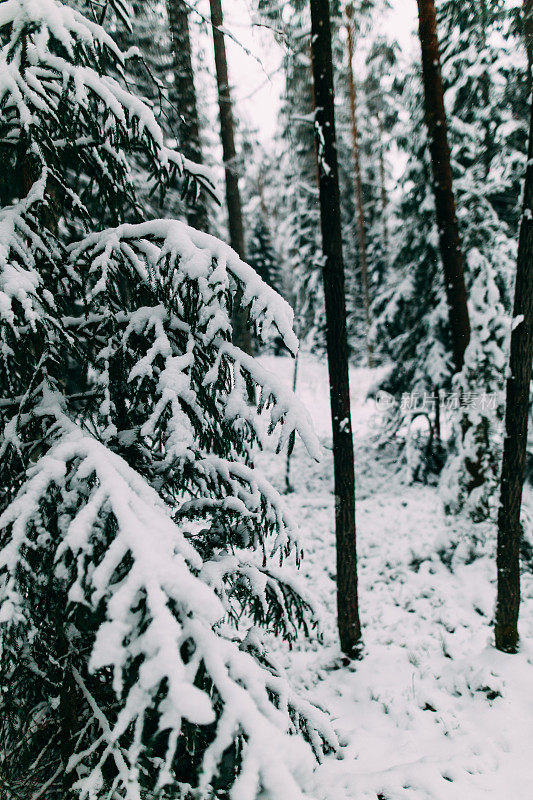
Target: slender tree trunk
188, 119
241, 332
358, 183
337, 344
528, 32
68, 712
261, 193
488, 144
436, 393
516, 420
68, 705
292, 437
449, 239
383, 187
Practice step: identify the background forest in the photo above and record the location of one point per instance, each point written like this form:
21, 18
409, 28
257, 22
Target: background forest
266, 283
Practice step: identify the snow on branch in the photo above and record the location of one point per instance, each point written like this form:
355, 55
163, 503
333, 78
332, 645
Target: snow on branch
170, 257
195, 256
286, 406
147, 577
49, 47
19, 243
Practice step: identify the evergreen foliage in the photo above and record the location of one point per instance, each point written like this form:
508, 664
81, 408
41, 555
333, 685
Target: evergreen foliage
490, 137
487, 133
261, 254
139, 546
301, 215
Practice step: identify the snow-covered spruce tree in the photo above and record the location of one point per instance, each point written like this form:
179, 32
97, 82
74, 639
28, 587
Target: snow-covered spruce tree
361, 156
261, 254
488, 130
184, 90
483, 79
135, 534
162, 76
381, 91
262, 257
410, 312
299, 233
470, 479
260, 192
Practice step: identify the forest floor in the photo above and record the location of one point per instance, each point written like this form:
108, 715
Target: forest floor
432, 711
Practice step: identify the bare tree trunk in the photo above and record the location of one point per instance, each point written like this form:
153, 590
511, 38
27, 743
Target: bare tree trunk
488, 144
337, 344
383, 188
449, 239
261, 193
241, 332
292, 436
528, 32
358, 183
516, 420
188, 120
436, 393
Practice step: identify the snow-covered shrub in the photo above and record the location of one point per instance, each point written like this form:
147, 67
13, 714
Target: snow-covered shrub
470, 481
139, 546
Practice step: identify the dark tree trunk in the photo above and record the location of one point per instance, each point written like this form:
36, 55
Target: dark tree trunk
358, 183
436, 393
68, 709
188, 120
528, 32
337, 345
488, 139
241, 332
383, 188
516, 419
449, 240
292, 436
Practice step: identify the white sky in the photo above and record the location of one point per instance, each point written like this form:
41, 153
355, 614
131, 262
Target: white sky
256, 95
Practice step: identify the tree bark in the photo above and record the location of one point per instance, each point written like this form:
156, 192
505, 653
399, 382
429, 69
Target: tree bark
436, 393
383, 187
528, 34
337, 344
516, 420
488, 144
292, 436
449, 239
188, 119
358, 183
241, 332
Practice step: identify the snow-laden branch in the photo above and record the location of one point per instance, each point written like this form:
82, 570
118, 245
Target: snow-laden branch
35, 73
170, 257
19, 243
198, 256
147, 578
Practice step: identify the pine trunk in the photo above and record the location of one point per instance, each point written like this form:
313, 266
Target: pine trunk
241, 332
292, 437
383, 188
449, 239
188, 119
337, 345
358, 183
488, 145
516, 420
528, 32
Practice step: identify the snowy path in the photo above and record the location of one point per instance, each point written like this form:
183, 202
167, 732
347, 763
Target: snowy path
433, 711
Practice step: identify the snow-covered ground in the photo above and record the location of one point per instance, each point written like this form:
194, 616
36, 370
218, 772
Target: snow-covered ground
432, 711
